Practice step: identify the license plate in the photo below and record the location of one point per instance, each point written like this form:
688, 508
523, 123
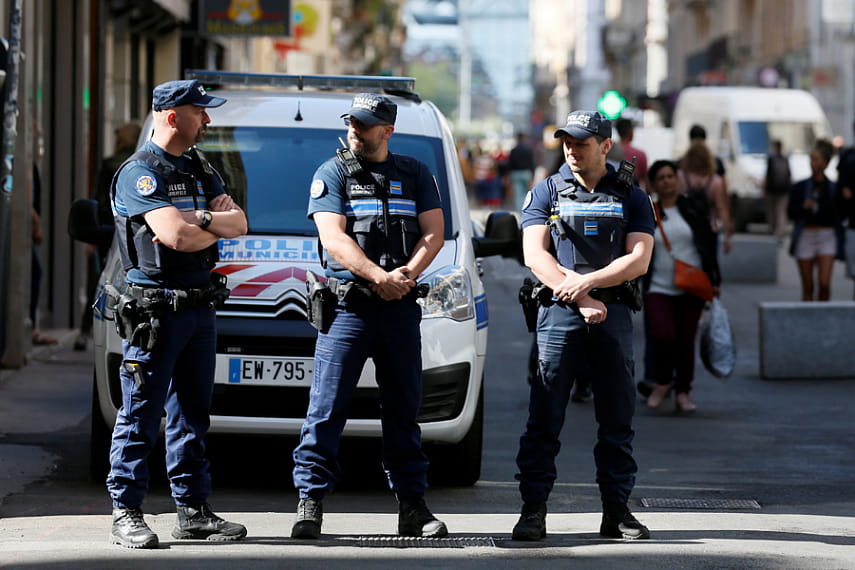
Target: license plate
271, 371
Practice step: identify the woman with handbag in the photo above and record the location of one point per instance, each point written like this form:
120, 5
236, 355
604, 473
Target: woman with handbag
682, 277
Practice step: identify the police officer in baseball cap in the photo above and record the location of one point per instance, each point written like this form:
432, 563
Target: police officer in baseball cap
585, 234
380, 223
171, 208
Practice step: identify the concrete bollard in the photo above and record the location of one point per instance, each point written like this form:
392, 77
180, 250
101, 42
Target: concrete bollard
807, 339
752, 259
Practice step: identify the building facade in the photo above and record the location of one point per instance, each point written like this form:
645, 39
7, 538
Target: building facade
90, 65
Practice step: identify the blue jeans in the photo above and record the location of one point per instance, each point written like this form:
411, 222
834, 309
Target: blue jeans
565, 346
389, 333
178, 378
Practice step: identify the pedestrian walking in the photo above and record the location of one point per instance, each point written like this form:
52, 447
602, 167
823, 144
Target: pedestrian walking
357, 199
586, 234
170, 208
626, 132
521, 166
671, 315
776, 188
695, 174
815, 207
697, 177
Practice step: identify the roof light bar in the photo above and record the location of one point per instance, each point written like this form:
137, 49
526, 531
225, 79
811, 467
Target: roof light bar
406, 84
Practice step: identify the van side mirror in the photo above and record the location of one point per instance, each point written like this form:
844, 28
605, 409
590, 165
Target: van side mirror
502, 236
83, 224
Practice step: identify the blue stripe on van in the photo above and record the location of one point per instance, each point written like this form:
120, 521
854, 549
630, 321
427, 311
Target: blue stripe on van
481, 316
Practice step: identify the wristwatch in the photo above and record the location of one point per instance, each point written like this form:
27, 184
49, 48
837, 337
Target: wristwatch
207, 218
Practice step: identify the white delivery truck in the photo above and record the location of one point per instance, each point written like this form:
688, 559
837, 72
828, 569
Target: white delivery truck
740, 123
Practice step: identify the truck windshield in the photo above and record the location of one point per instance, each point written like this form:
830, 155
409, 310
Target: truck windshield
755, 137
268, 171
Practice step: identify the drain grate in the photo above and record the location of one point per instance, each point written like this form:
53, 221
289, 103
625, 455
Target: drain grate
419, 542
701, 503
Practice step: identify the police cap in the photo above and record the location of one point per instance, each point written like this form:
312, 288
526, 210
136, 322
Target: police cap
584, 124
182, 92
372, 109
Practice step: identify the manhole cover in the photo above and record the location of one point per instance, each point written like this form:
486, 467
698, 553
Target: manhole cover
701, 503
419, 542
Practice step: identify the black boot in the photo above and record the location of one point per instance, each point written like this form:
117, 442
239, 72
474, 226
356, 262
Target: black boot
129, 529
532, 523
415, 519
200, 522
618, 522
310, 516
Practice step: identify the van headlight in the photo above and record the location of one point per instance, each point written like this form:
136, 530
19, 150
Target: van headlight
450, 295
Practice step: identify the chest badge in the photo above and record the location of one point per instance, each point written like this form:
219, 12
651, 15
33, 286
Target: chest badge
395, 188
591, 229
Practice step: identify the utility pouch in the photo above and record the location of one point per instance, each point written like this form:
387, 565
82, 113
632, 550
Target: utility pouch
529, 304
321, 303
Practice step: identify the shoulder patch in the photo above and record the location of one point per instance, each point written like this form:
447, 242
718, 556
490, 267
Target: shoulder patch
146, 185
527, 200
319, 188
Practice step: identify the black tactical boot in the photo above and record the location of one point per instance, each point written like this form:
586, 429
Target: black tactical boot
310, 516
129, 529
532, 523
200, 522
415, 519
618, 522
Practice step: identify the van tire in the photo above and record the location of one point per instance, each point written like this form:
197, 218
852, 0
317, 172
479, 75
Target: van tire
459, 464
99, 440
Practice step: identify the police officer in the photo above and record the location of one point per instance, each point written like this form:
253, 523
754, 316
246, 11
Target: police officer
170, 208
380, 223
585, 234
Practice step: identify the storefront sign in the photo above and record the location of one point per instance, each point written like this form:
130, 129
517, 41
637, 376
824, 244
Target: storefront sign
245, 17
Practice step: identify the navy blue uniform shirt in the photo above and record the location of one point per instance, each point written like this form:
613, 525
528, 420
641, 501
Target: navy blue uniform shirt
637, 210
141, 188
329, 190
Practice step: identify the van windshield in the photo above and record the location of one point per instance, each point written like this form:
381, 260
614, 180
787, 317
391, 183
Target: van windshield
755, 137
268, 171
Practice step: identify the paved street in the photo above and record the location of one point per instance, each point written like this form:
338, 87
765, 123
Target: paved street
762, 476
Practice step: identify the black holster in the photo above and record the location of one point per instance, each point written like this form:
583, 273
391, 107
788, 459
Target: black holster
321, 302
528, 302
628, 293
137, 321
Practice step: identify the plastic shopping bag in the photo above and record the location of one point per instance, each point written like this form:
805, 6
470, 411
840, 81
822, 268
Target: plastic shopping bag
718, 351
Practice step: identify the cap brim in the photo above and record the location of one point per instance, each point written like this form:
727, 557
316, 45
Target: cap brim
363, 116
574, 132
210, 101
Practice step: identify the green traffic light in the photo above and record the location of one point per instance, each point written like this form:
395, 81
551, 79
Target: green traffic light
611, 104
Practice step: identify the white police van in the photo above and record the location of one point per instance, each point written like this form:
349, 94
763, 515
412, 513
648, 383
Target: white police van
267, 142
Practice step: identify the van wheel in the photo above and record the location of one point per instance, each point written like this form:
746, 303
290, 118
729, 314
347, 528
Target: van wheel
99, 440
459, 464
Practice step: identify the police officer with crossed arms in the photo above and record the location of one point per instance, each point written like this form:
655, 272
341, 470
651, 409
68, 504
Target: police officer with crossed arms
585, 234
380, 223
170, 208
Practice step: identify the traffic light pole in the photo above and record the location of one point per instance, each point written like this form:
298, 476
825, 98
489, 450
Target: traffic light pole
10, 117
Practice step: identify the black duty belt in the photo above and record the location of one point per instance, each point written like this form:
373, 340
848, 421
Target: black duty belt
176, 299
347, 290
